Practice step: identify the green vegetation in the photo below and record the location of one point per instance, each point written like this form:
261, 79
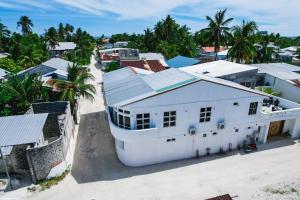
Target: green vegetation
269, 90
217, 31
112, 66
9, 65
46, 184
75, 85
16, 95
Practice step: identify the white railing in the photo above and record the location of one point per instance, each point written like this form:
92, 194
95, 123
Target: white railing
281, 114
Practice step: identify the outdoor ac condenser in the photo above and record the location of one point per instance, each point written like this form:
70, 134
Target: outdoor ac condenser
192, 130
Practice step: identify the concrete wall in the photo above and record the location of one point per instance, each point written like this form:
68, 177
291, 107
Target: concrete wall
42, 159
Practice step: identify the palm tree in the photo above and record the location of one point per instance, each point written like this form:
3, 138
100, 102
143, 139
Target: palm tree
26, 25
218, 30
264, 52
31, 58
61, 32
243, 49
69, 30
75, 85
51, 37
4, 32
21, 93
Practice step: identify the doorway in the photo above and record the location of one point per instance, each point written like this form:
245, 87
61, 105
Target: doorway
275, 129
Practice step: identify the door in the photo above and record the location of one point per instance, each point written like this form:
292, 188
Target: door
275, 128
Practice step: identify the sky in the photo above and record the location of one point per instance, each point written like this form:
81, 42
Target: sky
117, 16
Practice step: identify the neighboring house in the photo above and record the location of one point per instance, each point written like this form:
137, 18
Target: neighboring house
242, 74
153, 56
223, 55
182, 61
173, 115
282, 77
289, 54
151, 65
120, 44
39, 143
55, 68
116, 54
4, 55
207, 54
3, 73
61, 48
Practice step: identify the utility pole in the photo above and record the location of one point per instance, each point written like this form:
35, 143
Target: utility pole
6, 169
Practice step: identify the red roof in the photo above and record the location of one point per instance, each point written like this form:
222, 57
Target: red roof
212, 49
151, 65
222, 197
106, 57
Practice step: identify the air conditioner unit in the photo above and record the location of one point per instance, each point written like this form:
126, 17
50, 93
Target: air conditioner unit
192, 130
221, 124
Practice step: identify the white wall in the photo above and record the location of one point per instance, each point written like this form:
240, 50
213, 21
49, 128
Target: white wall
187, 101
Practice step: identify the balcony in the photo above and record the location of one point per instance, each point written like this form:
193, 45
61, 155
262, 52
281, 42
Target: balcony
132, 135
279, 109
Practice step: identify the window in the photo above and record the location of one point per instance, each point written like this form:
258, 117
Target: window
205, 114
215, 133
253, 108
124, 121
169, 118
236, 103
143, 121
204, 135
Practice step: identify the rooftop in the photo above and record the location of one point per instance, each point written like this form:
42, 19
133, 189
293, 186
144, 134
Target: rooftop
65, 46
152, 65
282, 71
2, 73
211, 49
182, 61
125, 86
217, 68
21, 129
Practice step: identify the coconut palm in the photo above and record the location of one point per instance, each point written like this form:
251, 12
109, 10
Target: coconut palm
69, 30
243, 49
76, 84
26, 25
61, 32
51, 37
218, 31
4, 32
18, 94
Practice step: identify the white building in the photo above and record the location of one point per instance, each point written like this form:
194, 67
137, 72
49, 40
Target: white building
120, 44
282, 77
172, 114
61, 48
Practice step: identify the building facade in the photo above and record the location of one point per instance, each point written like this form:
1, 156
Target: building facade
173, 115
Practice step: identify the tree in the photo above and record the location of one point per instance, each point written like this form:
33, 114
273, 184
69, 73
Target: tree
9, 65
26, 25
61, 32
16, 95
112, 66
75, 85
4, 36
31, 57
264, 52
243, 49
51, 37
69, 30
218, 31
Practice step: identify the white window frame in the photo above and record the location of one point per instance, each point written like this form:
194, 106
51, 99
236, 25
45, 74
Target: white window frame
142, 121
205, 114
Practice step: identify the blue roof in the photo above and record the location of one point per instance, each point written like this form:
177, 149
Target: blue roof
181, 61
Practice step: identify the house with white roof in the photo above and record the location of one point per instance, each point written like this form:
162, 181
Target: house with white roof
175, 114
56, 68
61, 48
242, 74
282, 77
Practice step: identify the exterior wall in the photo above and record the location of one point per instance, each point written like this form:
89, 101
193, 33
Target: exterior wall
288, 91
142, 147
249, 76
42, 159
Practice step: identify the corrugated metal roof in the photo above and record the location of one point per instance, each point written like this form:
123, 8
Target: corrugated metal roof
168, 79
3, 73
181, 61
283, 71
64, 46
21, 129
58, 63
217, 68
125, 86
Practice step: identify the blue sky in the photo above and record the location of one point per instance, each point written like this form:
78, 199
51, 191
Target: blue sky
117, 16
